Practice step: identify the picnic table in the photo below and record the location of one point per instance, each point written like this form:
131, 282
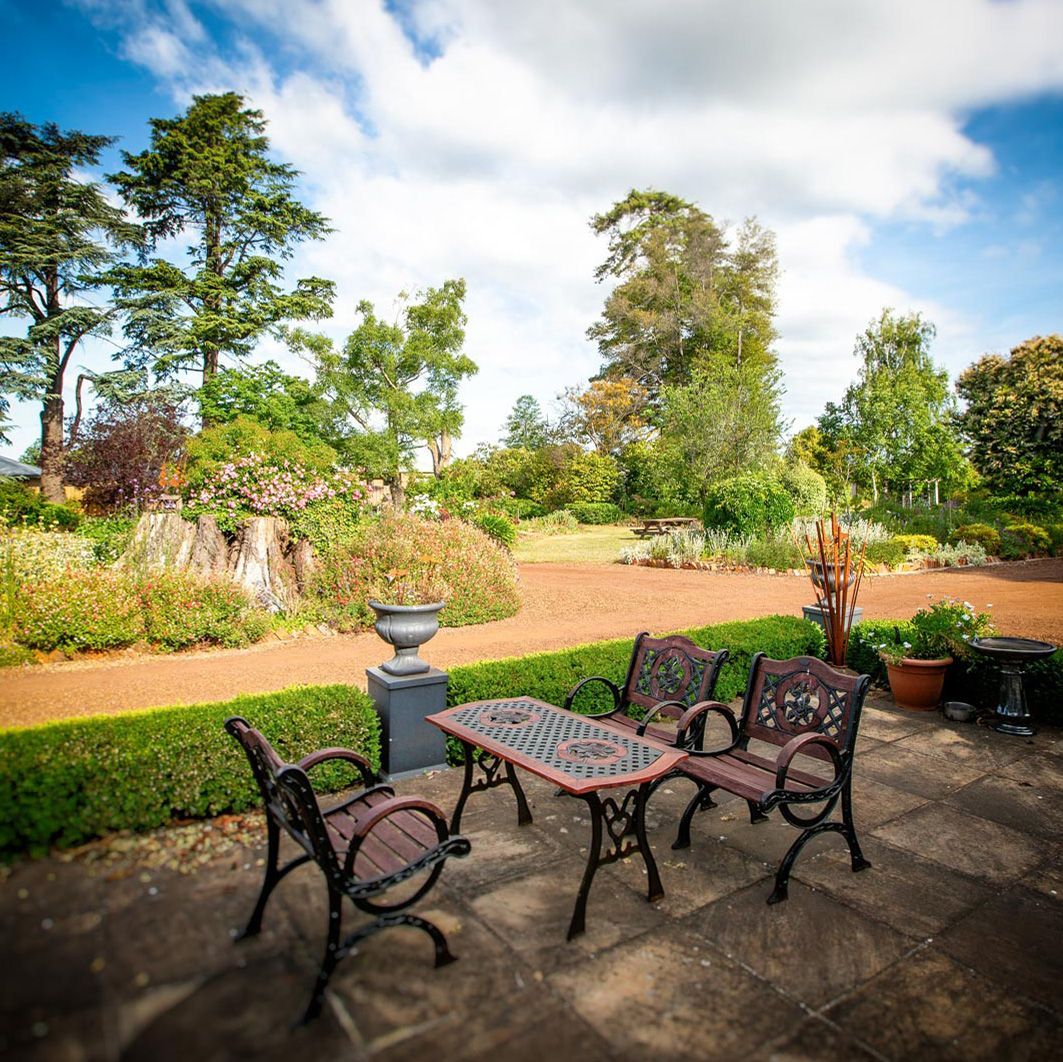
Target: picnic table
661, 525
578, 756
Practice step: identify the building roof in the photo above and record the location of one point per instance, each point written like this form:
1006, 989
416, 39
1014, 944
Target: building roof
17, 470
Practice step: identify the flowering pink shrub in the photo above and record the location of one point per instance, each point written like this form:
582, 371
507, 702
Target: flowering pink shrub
257, 486
411, 555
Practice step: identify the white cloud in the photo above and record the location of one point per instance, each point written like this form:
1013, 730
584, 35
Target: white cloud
488, 160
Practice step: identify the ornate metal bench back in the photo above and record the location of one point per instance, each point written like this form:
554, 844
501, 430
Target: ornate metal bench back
670, 669
785, 698
307, 825
289, 814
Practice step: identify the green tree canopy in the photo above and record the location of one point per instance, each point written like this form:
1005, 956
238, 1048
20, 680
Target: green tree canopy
1014, 417
208, 178
58, 234
265, 393
684, 301
395, 385
897, 417
526, 427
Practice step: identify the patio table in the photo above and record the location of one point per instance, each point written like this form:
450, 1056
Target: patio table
578, 756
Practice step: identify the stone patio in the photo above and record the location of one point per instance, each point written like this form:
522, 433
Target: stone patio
948, 948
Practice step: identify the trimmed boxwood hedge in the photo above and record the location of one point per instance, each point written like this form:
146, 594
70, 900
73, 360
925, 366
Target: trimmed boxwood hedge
549, 676
65, 783
976, 681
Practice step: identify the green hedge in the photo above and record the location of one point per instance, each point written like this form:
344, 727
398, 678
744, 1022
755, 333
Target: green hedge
975, 681
67, 782
549, 676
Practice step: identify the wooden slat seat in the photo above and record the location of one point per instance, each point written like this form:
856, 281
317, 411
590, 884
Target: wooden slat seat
364, 845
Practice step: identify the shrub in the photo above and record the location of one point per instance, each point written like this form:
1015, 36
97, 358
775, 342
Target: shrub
747, 504
12, 655
1023, 540
481, 575
583, 477
181, 609
108, 535
1055, 537
497, 527
22, 507
595, 512
255, 485
65, 783
32, 555
983, 534
727, 547
676, 549
560, 522
521, 508
911, 543
806, 487
776, 551
958, 553
123, 450
329, 521
889, 552
95, 609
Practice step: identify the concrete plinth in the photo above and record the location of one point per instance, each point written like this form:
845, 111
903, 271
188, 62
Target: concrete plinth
815, 614
409, 745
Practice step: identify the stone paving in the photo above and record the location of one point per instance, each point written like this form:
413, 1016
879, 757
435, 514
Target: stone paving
948, 948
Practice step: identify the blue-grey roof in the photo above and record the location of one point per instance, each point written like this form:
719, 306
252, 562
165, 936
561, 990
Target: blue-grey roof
17, 470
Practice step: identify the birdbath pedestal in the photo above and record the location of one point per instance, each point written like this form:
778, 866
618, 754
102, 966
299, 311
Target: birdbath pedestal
1013, 655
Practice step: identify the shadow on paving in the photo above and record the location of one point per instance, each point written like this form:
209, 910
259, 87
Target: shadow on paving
946, 949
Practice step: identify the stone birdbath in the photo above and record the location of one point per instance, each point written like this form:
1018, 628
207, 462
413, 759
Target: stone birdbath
1013, 655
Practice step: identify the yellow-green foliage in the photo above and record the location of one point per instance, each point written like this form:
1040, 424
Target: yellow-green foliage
1021, 540
911, 543
44, 554
65, 783
984, 535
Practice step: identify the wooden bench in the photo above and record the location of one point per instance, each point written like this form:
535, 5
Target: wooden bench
364, 845
806, 708
665, 676
664, 524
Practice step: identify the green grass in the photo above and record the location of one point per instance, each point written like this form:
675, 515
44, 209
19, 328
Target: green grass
589, 545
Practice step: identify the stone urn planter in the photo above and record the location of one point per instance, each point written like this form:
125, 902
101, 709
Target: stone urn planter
407, 628
917, 684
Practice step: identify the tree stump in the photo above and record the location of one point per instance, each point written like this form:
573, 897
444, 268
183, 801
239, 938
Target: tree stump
259, 562
161, 540
210, 551
304, 562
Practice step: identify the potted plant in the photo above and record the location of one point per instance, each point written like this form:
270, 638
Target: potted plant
407, 604
918, 659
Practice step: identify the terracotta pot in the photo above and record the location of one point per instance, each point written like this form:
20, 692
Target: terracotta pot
917, 684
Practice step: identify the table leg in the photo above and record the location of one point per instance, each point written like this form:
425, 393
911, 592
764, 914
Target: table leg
491, 776
622, 821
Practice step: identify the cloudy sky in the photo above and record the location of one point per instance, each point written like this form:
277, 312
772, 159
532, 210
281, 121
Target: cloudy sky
907, 154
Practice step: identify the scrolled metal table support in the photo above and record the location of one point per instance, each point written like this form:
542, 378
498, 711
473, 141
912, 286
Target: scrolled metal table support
621, 820
491, 777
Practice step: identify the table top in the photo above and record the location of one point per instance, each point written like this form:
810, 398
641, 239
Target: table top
568, 750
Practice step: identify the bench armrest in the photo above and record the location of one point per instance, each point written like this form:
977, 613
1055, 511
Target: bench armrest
653, 713
796, 745
612, 686
691, 715
325, 755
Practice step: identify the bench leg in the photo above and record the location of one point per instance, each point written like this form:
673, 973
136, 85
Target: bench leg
701, 801
331, 957
254, 924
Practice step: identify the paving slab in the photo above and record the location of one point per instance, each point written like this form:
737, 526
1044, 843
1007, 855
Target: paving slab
930, 1007
811, 946
912, 895
973, 746
670, 994
933, 777
1034, 808
965, 843
818, 1039
884, 724
1013, 940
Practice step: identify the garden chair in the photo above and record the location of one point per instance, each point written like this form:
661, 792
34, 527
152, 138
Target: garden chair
666, 676
364, 845
805, 707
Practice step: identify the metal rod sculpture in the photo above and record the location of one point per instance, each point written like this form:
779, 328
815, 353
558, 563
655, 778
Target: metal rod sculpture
837, 571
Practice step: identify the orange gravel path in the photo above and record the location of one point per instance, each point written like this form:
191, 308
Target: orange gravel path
563, 606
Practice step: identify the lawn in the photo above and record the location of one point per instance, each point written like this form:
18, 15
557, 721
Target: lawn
589, 545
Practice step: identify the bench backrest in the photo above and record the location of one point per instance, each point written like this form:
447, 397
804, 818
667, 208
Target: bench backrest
287, 795
671, 669
785, 698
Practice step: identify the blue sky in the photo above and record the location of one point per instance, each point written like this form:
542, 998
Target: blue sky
905, 155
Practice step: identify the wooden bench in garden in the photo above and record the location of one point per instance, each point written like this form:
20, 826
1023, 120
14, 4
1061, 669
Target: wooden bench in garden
662, 525
666, 676
805, 707
364, 845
